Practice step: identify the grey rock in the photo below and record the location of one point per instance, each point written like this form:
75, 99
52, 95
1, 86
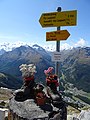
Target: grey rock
30, 110
84, 115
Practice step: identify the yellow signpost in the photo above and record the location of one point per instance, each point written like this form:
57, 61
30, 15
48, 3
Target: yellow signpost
58, 19
57, 35
55, 19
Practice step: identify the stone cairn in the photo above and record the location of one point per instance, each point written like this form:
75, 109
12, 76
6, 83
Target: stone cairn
34, 101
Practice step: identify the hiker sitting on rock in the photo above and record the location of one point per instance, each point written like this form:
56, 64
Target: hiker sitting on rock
51, 79
55, 96
28, 72
27, 90
52, 84
31, 88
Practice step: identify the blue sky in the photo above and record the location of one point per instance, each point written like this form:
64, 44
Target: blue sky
19, 22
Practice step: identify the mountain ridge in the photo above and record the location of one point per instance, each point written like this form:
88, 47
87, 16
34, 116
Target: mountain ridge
74, 63
11, 60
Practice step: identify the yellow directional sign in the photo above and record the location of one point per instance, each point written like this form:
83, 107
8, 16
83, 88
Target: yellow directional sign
56, 19
57, 35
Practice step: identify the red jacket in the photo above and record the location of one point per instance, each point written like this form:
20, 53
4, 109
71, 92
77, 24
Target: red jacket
29, 78
50, 79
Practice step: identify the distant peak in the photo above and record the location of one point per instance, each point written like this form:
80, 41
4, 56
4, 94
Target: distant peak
37, 47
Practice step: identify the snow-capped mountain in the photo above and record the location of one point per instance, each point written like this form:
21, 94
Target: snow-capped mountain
37, 47
11, 46
2, 51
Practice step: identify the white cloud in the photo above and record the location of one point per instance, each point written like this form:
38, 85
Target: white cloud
51, 46
81, 43
8, 46
66, 46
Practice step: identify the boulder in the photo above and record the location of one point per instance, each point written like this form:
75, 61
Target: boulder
84, 115
30, 110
